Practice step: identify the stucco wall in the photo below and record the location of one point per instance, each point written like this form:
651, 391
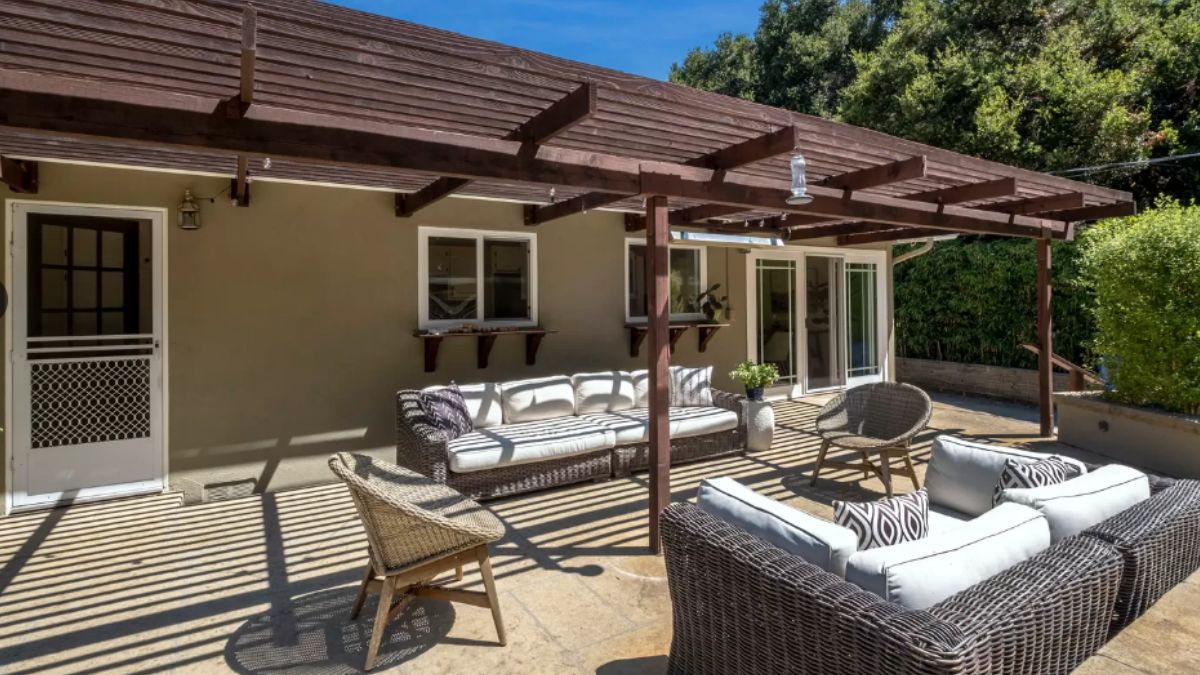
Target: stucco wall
290, 322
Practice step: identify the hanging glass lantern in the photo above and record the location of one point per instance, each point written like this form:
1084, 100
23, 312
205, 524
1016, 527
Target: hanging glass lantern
189, 212
799, 195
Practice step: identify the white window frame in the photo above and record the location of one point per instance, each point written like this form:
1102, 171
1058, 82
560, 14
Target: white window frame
423, 235
685, 316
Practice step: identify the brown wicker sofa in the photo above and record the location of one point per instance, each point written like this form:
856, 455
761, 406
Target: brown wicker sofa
741, 605
591, 425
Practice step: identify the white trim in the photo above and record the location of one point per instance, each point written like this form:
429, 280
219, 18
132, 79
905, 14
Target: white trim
158, 218
878, 257
703, 264
425, 232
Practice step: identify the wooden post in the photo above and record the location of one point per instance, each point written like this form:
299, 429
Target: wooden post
1045, 339
658, 323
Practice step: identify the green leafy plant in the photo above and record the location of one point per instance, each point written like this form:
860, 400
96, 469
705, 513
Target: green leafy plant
755, 375
712, 306
1145, 271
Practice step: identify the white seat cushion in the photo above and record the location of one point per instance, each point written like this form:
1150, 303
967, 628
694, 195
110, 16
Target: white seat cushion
633, 426
513, 444
483, 403
922, 573
1075, 505
820, 542
609, 391
963, 474
942, 520
537, 399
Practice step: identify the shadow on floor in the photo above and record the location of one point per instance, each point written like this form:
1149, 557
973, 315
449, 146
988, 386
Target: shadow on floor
646, 665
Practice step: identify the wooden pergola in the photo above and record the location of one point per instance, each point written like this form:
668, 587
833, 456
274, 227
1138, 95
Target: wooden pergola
335, 96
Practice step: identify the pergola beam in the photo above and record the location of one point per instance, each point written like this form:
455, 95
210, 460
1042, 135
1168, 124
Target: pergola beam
836, 230
971, 192
1042, 204
560, 116
19, 175
746, 152
891, 234
875, 176
239, 188
237, 106
1117, 210
91, 109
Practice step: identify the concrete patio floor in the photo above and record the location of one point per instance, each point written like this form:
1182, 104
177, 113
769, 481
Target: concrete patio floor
265, 584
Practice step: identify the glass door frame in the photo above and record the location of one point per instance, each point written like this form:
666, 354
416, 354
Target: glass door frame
800, 254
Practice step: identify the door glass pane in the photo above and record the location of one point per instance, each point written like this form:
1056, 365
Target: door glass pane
113, 323
506, 279
822, 320
84, 323
54, 289
861, 325
776, 316
112, 289
637, 280
54, 245
84, 250
85, 289
453, 293
112, 249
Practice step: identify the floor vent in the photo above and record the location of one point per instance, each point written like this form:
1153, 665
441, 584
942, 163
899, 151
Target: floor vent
219, 492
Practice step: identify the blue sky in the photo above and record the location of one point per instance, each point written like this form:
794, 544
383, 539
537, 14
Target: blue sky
633, 36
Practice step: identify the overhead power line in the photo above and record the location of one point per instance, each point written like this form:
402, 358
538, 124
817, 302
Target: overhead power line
1125, 165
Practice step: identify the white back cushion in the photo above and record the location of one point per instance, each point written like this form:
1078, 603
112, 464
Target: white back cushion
537, 399
483, 402
690, 386
922, 573
1079, 503
820, 542
610, 391
963, 475
641, 388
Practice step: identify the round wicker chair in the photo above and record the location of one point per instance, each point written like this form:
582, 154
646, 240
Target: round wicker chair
416, 530
880, 418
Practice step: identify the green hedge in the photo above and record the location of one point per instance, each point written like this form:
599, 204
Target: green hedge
1145, 272
973, 300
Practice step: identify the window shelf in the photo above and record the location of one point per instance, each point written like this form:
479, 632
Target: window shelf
704, 332
484, 339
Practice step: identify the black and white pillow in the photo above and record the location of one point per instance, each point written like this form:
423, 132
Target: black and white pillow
446, 409
1049, 471
886, 522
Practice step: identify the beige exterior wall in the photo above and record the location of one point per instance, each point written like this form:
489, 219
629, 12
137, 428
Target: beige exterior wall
290, 322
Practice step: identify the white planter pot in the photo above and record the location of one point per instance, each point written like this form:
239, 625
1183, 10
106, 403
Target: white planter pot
760, 425
1151, 439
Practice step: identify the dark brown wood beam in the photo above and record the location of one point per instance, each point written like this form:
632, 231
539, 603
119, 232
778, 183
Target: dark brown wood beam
749, 151
836, 230
239, 103
1100, 212
409, 204
971, 192
892, 234
1045, 340
239, 187
21, 176
81, 108
874, 176
1043, 204
566, 112
658, 321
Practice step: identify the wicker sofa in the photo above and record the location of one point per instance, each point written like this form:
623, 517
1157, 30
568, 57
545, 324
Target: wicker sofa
539, 433
742, 605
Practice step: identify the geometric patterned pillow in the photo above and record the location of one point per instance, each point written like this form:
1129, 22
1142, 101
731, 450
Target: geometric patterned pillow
446, 410
886, 522
1049, 471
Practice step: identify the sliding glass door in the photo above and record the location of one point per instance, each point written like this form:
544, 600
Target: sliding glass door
818, 315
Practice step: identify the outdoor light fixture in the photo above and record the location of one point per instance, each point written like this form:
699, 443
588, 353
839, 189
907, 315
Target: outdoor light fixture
739, 241
189, 212
799, 196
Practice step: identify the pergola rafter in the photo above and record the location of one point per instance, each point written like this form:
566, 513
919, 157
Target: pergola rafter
875, 176
835, 230
970, 192
1039, 205
888, 235
565, 113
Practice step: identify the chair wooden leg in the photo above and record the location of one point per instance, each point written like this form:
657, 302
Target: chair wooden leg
362, 592
912, 470
866, 459
885, 471
820, 461
458, 572
381, 620
489, 585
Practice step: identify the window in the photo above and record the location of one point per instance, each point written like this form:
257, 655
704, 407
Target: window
688, 280
477, 277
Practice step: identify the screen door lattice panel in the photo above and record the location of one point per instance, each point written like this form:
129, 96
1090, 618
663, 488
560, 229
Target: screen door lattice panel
95, 400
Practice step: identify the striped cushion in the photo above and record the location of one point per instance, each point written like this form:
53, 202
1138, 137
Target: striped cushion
1049, 471
886, 522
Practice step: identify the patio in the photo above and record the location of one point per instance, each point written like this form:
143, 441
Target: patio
265, 584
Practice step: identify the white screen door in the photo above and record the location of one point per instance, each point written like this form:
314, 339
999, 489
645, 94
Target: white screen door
87, 398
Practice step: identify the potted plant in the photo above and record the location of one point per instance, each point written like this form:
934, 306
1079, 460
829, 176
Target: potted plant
755, 377
712, 306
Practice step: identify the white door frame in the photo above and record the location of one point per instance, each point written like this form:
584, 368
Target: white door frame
879, 257
158, 228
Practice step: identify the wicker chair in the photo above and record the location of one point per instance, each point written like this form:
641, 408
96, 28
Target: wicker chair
880, 418
416, 529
